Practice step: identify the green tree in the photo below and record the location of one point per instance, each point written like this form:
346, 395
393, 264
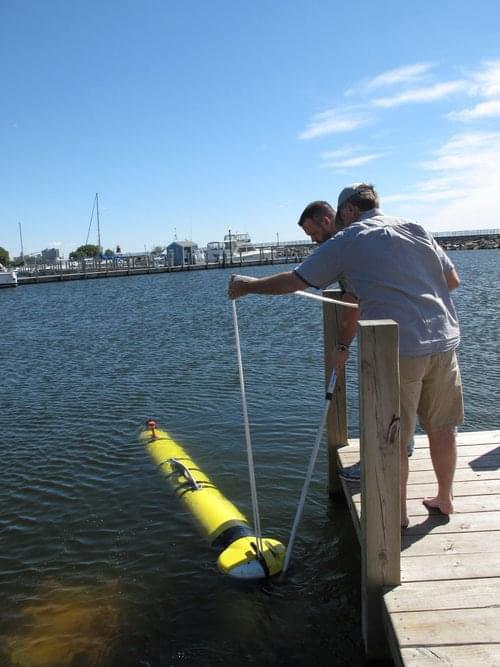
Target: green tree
85, 251
157, 250
109, 253
4, 256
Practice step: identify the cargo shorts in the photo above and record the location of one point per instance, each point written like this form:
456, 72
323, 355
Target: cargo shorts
430, 388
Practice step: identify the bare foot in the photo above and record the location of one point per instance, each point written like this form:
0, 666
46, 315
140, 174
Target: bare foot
405, 522
443, 506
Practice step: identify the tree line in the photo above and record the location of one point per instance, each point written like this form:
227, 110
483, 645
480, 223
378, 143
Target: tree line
82, 252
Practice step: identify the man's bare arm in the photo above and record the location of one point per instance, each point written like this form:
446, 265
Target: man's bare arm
280, 283
346, 334
349, 321
452, 279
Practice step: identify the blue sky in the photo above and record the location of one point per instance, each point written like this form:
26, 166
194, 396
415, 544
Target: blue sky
196, 116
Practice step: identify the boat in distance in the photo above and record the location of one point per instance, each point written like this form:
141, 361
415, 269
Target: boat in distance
8, 277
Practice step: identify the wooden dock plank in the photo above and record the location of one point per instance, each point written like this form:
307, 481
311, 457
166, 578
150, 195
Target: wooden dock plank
463, 438
449, 626
448, 594
461, 475
487, 655
476, 487
450, 566
461, 504
451, 543
488, 462
471, 451
456, 523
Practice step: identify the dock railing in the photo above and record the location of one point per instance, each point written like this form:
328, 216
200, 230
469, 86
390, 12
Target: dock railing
379, 530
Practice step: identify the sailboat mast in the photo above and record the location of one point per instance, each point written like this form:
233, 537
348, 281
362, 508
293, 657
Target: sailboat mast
21, 239
98, 223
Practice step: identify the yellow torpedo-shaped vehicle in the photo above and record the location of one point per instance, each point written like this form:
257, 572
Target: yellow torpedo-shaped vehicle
241, 555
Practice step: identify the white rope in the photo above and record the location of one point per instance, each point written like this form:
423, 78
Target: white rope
323, 298
251, 471
310, 470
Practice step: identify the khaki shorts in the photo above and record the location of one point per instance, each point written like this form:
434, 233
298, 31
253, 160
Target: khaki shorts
431, 388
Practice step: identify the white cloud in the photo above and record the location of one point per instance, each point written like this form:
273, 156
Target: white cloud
356, 161
402, 74
347, 157
488, 109
465, 151
486, 82
458, 185
333, 121
435, 184
429, 94
463, 190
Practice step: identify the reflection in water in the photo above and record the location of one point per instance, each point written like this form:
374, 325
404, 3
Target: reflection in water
65, 627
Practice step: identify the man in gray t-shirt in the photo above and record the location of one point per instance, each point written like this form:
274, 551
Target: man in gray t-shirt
397, 271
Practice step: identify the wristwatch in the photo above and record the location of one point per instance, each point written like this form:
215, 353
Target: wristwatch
342, 348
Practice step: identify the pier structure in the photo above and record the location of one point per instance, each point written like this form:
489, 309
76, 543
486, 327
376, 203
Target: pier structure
285, 252
430, 593
476, 239
144, 264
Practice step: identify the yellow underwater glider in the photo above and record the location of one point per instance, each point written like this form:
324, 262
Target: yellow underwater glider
241, 553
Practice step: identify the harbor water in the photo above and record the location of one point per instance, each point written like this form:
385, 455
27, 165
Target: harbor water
99, 563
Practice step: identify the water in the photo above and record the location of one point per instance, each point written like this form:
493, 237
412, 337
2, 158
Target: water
99, 563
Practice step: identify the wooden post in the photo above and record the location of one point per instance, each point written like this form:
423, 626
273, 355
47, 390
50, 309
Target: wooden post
379, 434
336, 425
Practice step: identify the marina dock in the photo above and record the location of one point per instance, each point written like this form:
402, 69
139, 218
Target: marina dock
447, 608
431, 592
43, 274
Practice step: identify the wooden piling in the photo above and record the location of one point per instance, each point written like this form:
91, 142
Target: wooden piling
378, 343
336, 424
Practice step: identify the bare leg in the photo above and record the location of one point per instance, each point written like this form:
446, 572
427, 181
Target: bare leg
443, 447
403, 482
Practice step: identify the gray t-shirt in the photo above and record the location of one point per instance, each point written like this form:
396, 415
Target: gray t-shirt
396, 270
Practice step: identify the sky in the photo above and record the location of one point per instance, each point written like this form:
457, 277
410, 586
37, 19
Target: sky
194, 117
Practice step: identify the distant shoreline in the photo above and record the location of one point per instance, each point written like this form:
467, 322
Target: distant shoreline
48, 275
476, 244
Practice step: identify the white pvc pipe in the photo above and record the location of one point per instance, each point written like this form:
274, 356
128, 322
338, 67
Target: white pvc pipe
324, 298
310, 470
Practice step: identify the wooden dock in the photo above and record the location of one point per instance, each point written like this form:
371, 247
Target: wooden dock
430, 593
65, 271
447, 608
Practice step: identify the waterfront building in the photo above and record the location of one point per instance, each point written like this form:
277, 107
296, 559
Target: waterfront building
182, 253
50, 254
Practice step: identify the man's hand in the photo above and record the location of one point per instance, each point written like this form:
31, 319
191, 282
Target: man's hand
339, 358
238, 286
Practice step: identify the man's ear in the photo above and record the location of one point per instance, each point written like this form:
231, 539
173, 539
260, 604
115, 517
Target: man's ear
328, 223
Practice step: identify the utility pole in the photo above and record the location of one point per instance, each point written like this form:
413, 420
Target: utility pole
21, 238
